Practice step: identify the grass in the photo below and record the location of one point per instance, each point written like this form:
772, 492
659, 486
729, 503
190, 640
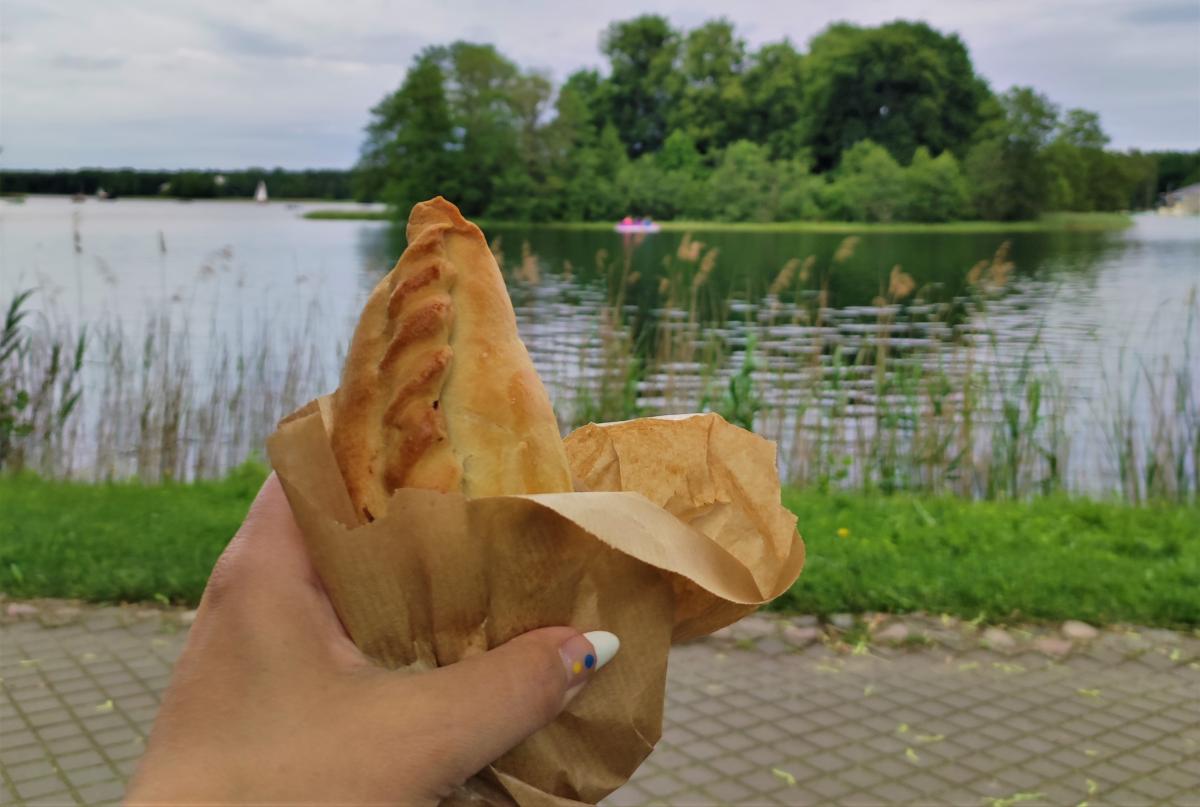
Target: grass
348, 215
122, 541
1052, 558
1051, 222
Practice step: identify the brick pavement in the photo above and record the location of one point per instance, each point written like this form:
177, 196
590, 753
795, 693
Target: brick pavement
912, 711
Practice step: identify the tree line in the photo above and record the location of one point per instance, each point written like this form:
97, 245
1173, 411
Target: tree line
205, 184
871, 123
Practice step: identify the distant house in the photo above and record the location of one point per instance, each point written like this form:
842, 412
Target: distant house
1183, 201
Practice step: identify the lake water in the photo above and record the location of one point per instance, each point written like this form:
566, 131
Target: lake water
1091, 309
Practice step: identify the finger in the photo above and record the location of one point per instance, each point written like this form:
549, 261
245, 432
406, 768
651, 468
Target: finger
269, 546
493, 701
266, 577
274, 538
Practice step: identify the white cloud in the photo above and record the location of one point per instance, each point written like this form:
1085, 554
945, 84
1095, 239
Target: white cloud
222, 83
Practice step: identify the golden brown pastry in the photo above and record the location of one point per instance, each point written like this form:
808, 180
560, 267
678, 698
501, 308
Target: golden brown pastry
438, 391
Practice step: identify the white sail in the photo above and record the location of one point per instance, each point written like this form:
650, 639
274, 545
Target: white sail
260, 193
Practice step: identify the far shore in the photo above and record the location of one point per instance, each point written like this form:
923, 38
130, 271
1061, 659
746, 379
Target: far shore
1051, 222
349, 210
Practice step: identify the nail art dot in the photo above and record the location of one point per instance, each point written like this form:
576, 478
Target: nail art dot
589, 661
578, 668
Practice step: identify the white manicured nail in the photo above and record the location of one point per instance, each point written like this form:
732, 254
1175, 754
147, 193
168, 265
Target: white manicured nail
605, 644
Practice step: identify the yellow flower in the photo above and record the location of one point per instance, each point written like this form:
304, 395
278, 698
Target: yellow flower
843, 532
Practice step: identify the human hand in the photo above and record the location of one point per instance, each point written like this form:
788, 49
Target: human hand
272, 702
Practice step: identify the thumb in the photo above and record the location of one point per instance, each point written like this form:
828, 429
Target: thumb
495, 700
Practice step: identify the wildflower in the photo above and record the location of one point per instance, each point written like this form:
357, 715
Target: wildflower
843, 532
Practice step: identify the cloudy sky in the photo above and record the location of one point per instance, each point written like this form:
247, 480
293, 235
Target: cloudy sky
197, 83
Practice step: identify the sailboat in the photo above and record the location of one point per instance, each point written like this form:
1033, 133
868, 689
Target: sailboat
260, 193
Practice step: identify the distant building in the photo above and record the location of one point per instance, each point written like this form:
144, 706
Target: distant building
1183, 201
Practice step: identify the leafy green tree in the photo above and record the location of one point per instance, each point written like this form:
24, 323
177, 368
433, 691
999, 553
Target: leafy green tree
868, 185
406, 154
743, 186
679, 176
1007, 167
581, 109
643, 83
679, 154
713, 102
901, 85
799, 192
934, 189
1176, 169
774, 84
520, 190
591, 189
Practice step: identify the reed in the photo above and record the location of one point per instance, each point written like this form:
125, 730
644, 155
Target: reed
156, 407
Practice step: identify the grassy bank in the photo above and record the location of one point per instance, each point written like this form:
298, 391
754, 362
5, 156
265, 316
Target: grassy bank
1051, 222
1052, 558
348, 215
1048, 558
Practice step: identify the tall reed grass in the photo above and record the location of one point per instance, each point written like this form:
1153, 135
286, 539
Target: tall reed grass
150, 403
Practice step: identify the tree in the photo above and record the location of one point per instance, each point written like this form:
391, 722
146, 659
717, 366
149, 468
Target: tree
679, 154
1007, 167
774, 85
933, 189
462, 124
518, 193
643, 82
581, 109
901, 85
712, 105
868, 185
743, 185
591, 190
405, 159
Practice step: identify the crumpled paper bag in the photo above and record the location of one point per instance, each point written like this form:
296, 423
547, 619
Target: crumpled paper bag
680, 532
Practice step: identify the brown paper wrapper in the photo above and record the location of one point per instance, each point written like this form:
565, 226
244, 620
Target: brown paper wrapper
680, 533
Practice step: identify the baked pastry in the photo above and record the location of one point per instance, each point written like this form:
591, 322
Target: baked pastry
438, 391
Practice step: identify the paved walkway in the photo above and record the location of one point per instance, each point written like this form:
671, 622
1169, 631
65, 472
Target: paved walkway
914, 711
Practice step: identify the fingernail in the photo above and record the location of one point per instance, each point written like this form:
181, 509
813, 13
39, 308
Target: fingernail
587, 653
606, 645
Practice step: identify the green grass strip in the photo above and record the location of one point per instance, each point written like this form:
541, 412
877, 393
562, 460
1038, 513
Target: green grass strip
1049, 558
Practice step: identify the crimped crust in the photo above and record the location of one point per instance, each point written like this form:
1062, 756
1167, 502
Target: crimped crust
438, 391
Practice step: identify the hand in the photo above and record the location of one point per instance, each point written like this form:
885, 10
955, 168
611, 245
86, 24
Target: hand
271, 701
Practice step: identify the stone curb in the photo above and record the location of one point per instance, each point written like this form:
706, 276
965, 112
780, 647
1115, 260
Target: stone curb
768, 632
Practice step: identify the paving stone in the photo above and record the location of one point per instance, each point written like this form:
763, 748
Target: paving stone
842, 622
33, 769
42, 788
1052, 646
1079, 631
103, 793
894, 633
729, 791
998, 639
89, 776
1009, 719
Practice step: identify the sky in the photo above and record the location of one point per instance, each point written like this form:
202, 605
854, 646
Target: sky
213, 83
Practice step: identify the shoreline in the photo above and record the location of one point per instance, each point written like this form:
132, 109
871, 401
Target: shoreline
1053, 222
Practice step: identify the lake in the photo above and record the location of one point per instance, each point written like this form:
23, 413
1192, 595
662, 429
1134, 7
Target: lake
871, 360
